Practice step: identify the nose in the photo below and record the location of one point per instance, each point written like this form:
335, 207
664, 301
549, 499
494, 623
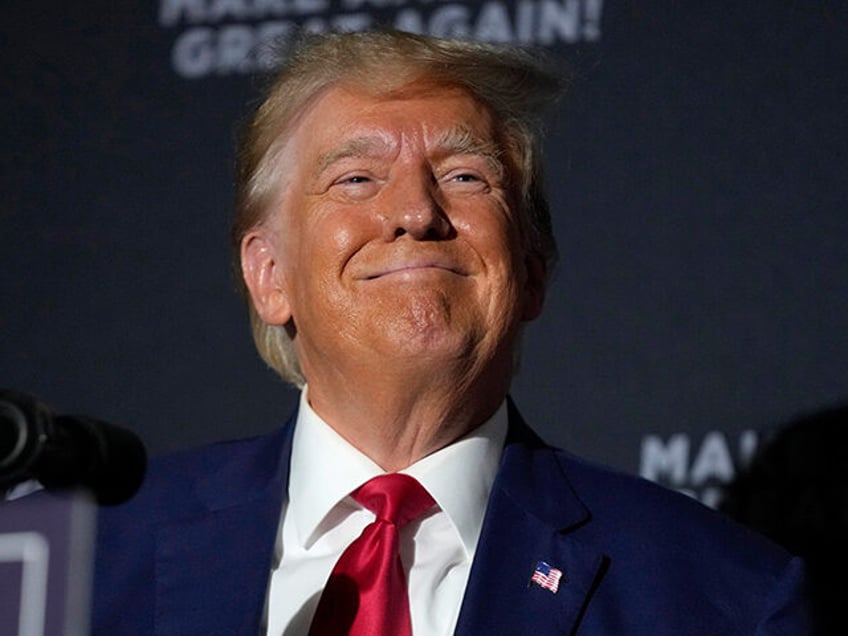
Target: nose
414, 210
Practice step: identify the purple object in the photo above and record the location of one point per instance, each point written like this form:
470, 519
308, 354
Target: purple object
46, 558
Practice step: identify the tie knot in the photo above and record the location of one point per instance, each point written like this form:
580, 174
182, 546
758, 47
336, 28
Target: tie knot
395, 498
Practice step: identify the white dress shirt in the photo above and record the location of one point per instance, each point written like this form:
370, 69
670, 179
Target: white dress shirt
320, 519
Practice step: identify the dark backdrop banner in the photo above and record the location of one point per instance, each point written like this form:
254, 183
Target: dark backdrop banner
698, 175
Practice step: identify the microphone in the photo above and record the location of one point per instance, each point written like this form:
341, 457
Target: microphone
65, 451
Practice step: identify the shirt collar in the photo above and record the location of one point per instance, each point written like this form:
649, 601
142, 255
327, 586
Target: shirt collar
473, 462
325, 468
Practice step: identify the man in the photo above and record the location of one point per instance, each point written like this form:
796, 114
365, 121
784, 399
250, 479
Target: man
393, 239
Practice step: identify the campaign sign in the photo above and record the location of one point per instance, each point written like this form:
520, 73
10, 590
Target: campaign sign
46, 559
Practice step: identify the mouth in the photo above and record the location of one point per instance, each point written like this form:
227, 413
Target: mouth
411, 269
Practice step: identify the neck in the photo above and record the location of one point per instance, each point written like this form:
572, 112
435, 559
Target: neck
399, 416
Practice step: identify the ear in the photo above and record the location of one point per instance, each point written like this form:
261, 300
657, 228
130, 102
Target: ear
264, 278
534, 287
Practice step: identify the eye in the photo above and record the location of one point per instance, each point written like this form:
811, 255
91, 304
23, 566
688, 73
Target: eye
355, 186
354, 179
465, 181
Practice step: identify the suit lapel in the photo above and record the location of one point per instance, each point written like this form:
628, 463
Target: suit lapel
531, 511
212, 569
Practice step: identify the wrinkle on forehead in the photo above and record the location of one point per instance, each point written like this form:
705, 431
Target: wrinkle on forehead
458, 139
367, 145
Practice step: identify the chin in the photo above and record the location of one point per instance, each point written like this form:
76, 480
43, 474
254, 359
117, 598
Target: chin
426, 341
421, 341
428, 323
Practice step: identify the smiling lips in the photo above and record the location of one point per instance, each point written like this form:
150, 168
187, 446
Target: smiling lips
413, 266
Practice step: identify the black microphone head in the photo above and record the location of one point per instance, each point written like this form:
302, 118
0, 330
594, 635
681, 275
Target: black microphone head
67, 451
108, 460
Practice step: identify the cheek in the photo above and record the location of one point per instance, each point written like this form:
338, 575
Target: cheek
496, 239
499, 246
342, 238
330, 238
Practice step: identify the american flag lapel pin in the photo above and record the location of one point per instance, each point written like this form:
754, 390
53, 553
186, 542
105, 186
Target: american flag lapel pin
546, 577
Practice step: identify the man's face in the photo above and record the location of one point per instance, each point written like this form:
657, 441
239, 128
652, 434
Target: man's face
396, 237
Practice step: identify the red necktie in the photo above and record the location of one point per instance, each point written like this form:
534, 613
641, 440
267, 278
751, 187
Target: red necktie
366, 592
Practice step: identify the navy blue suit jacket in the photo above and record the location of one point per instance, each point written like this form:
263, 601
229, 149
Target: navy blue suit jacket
191, 553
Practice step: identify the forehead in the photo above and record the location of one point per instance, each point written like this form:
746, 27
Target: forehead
420, 112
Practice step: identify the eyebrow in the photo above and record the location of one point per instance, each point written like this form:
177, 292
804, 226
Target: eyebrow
461, 140
456, 140
365, 146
